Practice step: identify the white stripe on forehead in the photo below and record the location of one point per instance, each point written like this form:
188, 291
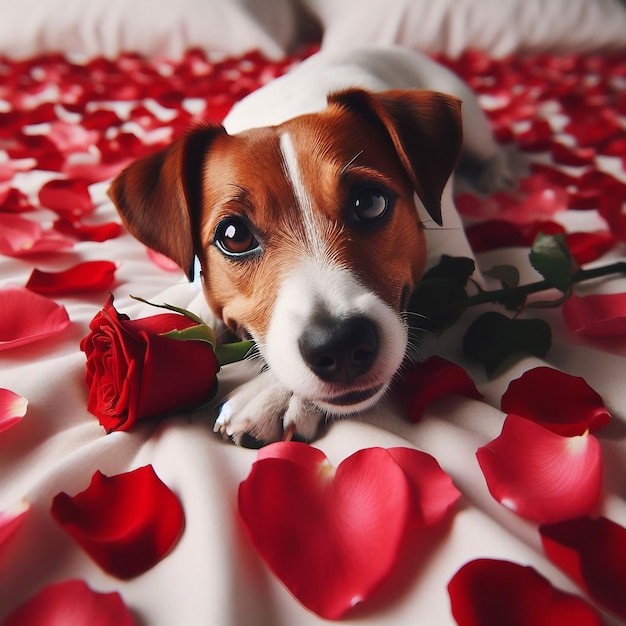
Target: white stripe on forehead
292, 170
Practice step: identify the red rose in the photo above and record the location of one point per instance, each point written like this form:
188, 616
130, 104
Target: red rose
134, 371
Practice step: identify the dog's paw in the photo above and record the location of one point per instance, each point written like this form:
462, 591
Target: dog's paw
262, 411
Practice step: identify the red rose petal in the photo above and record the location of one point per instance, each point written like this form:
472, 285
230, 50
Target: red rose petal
86, 276
541, 475
15, 201
22, 237
587, 247
428, 381
333, 536
576, 157
11, 519
88, 232
12, 408
600, 315
127, 523
496, 234
71, 603
68, 197
45, 317
488, 592
560, 402
593, 553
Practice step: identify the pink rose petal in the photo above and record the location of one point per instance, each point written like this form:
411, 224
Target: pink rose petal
45, 317
332, 536
541, 475
426, 382
126, 523
22, 237
600, 315
162, 261
11, 519
560, 402
86, 276
593, 553
489, 592
71, 603
12, 408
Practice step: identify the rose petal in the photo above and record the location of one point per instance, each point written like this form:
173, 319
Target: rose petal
162, 261
434, 378
540, 475
587, 247
88, 232
22, 237
126, 523
71, 603
560, 402
333, 536
600, 315
488, 592
593, 553
15, 201
68, 197
496, 234
45, 317
12, 408
11, 519
86, 276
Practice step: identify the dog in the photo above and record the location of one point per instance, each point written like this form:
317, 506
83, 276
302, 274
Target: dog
306, 210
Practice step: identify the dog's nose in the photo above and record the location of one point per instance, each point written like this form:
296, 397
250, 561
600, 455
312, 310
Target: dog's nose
340, 350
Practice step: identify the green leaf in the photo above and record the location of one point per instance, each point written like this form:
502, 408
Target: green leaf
551, 257
493, 339
231, 352
200, 332
171, 307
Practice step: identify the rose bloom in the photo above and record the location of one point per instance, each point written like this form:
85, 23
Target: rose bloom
135, 372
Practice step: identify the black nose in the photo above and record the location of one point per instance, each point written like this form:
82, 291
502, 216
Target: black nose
340, 349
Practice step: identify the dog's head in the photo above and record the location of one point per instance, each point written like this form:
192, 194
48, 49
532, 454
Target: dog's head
307, 233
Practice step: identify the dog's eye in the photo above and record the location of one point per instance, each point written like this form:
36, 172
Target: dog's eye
233, 237
369, 204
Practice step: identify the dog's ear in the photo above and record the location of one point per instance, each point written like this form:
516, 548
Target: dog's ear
425, 128
159, 197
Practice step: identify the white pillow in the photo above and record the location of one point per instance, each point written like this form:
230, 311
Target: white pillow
151, 27
498, 27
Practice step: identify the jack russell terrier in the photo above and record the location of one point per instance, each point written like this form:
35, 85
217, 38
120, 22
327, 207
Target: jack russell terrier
306, 212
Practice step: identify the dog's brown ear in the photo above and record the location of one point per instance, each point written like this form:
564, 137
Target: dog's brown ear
159, 197
426, 130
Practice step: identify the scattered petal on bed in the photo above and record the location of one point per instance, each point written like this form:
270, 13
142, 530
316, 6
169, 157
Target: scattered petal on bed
11, 519
12, 408
71, 603
15, 201
162, 261
20, 236
490, 592
423, 383
86, 276
127, 523
332, 536
599, 315
558, 401
497, 233
587, 247
593, 553
45, 317
541, 475
566, 155
68, 197
88, 232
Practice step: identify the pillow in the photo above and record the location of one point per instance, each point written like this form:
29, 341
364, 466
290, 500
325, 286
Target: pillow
151, 27
497, 27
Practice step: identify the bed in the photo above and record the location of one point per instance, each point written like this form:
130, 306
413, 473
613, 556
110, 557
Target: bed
489, 488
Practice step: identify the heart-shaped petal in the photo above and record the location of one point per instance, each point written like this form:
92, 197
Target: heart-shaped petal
599, 315
541, 475
127, 523
593, 553
71, 603
86, 276
332, 536
45, 317
489, 592
12, 408
560, 402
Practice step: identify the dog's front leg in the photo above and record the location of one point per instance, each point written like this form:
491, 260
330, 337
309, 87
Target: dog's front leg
265, 411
